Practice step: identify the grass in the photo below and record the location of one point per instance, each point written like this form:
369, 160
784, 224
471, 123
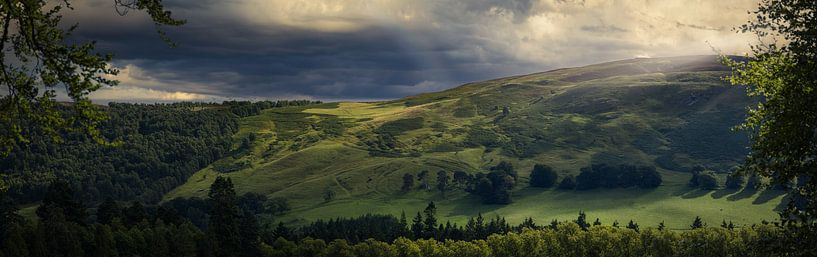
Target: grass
645, 112
672, 203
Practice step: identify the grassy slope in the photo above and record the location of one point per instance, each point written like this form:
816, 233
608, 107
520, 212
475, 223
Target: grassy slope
672, 112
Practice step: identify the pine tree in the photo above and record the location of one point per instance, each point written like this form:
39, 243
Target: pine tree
632, 225
554, 224
403, 230
661, 226
480, 226
471, 229
223, 228
697, 223
417, 226
528, 223
582, 221
430, 223
249, 235
281, 231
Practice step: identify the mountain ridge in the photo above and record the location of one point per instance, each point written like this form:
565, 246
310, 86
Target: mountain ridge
672, 113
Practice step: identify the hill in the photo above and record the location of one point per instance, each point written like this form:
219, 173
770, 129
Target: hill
348, 158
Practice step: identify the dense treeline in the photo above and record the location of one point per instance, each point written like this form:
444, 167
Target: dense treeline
63, 229
161, 146
602, 175
495, 186
567, 239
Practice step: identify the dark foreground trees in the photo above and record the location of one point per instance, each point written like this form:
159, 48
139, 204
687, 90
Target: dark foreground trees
782, 74
40, 56
566, 239
233, 231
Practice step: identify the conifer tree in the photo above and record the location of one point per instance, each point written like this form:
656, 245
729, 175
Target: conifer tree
632, 225
223, 228
417, 226
430, 222
697, 223
582, 221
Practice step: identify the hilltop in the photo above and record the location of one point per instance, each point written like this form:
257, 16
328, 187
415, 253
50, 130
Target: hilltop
349, 158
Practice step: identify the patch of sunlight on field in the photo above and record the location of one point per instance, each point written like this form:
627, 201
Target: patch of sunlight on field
673, 203
348, 110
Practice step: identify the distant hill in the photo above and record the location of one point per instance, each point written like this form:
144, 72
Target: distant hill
347, 158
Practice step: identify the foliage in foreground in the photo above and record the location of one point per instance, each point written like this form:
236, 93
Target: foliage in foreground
782, 125
55, 238
63, 230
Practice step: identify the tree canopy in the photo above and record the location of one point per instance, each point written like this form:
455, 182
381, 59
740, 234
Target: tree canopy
781, 72
39, 57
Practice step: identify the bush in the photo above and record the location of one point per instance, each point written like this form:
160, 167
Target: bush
542, 176
568, 183
650, 178
734, 181
707, 181
397, 127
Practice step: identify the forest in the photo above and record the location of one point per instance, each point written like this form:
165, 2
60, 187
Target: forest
664, 139
156, 148
66, 228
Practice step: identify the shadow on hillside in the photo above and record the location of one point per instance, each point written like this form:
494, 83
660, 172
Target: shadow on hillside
691, 192
767, 196
696, 193
783, 203
723, 193
743, 194
471, 206
683, 191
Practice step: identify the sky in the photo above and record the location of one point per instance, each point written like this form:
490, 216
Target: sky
366, 50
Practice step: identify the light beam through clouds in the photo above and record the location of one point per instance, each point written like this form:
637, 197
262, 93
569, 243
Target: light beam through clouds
380, 49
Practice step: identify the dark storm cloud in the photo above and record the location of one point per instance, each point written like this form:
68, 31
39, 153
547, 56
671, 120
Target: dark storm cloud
232, 58
349, 49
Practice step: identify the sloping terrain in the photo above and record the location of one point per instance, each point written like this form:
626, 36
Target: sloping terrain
343, 159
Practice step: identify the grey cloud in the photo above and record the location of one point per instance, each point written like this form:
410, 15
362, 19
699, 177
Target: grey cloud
452, 42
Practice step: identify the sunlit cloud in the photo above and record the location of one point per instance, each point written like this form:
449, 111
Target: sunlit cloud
381, 49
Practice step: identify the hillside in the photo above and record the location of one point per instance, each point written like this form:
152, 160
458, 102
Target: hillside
344, 159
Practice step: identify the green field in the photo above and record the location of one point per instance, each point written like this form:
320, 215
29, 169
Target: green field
672, 113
